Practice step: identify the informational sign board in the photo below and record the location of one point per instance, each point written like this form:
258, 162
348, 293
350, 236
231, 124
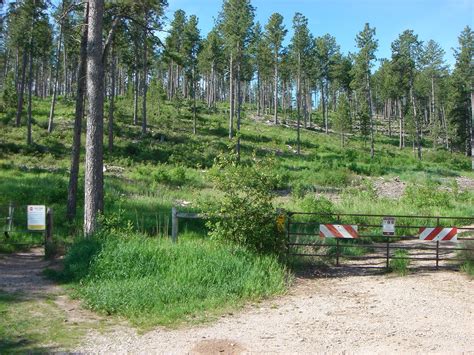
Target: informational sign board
388, 226
36, 217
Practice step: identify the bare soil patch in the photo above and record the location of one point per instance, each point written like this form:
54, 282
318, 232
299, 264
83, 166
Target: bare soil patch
389, 188
22, 274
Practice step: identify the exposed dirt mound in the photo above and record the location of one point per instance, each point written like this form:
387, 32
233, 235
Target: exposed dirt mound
393, 188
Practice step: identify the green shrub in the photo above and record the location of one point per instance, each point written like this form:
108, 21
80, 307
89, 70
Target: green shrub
315, 204
427, 196
245, 214
299, 189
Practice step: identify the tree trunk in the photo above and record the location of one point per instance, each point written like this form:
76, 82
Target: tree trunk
145, 75
79, 113
135, 99
417, 124
323, 108
65, 72
22, 88
433, 106
29, 141
400, 112
275, 88
194, 101
231, 97
298, 104
472, 126
239, 103
371, 112
94, 180
55, 85
112, 100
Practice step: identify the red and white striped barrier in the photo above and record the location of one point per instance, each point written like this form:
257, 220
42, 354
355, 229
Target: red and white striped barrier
338, 231
439, 234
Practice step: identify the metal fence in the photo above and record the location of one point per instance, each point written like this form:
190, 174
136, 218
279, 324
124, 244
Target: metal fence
371, 248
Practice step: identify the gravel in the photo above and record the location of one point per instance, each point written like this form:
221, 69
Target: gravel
422, 313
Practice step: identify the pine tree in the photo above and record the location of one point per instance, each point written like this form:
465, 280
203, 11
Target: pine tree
300, 48
342, 123
192, 45
367, 44
406, 51
275, 33
461, 87
326, 52
236, 20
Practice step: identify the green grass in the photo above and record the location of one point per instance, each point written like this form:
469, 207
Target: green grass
154, 282
146, 175
468, 256
35, 326
400, 266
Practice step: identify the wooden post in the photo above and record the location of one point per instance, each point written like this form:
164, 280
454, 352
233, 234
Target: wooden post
10, 216
337, 251
388, 252
48, 242
174, 225
437, 254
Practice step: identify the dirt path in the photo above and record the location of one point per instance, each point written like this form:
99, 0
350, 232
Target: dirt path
21, 274
422, 312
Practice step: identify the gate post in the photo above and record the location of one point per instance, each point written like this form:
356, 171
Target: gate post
174, 224
337, 251
437, 254
288, 225
48, 237
10, 216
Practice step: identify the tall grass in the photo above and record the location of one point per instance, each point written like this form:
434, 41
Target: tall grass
400, 265
152, 281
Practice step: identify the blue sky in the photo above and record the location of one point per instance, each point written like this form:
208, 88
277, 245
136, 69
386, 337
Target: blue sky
440, 20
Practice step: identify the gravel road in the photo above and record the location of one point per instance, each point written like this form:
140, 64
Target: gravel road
420, 313
424, 312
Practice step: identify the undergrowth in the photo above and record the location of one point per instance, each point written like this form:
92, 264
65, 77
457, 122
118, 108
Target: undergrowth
151, 281
400, 265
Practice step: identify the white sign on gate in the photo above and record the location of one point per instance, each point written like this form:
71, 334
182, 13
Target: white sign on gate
388, 226
36, 217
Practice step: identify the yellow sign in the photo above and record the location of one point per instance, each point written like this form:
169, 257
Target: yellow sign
281, 222
36, 218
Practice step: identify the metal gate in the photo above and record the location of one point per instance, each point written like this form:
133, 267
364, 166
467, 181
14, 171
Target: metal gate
359, 240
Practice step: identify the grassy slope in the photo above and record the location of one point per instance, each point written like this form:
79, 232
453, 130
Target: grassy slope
146, 175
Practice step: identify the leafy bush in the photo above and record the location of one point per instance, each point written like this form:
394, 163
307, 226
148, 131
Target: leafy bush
314, 204
427, 196
164, 174
245, 214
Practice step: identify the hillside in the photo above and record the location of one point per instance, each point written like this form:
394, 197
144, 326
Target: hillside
146, 175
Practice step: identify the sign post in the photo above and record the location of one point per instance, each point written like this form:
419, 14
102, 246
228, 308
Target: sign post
36, 217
